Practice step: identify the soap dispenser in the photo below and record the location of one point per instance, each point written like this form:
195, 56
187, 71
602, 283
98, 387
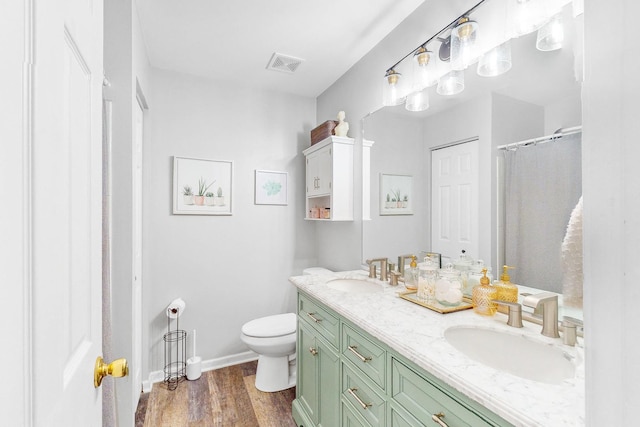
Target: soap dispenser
484, 296
507, 291
411, 275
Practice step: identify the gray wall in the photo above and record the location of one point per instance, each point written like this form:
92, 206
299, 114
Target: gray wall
228, 269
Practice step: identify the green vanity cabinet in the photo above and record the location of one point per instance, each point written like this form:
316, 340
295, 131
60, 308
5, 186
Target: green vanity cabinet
346, 377
422, 399
317, 392
318, 377
363, 397
365, 355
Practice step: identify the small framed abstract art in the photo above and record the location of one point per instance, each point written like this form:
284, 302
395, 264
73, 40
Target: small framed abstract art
270, 187
202, 187
396, 194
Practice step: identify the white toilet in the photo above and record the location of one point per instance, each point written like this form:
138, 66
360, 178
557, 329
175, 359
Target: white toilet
274, 339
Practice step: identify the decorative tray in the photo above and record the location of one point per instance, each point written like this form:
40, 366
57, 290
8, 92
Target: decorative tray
436, 306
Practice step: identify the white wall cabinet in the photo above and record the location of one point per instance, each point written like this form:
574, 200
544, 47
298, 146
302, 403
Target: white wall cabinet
329, 180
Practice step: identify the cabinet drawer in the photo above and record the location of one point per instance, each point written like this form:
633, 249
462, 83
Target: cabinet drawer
351, 419
368, 357
422, 399
400, 419
320, 319
362, 398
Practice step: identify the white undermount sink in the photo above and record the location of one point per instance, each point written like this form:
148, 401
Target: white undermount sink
354, 285
516, 354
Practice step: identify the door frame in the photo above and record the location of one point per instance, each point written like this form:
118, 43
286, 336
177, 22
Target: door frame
137, 307
16, 267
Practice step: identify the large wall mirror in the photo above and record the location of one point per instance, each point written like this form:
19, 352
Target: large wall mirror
538, 96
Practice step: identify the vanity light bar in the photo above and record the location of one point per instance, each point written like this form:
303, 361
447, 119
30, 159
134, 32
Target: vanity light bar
436, 35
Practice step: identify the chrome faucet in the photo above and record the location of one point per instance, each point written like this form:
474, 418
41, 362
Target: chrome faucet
548, 301
383, 268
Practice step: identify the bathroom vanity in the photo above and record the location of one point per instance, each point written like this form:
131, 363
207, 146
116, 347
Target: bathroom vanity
369, 358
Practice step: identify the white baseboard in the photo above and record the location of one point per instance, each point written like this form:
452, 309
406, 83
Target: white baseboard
207, 365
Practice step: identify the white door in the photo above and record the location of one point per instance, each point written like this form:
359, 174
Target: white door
66, 211
454, 200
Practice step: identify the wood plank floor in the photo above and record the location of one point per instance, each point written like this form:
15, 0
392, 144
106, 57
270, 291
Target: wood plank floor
223, 397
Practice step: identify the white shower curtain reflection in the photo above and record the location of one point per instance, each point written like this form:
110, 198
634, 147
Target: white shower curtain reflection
543, 183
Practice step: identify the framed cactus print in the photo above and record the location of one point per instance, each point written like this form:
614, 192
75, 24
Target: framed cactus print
396, 196
202, 187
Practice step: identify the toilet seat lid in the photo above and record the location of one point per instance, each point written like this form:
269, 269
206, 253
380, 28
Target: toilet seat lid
271, 326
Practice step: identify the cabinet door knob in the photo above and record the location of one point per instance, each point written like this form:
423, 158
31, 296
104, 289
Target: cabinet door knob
437, 418
313, 351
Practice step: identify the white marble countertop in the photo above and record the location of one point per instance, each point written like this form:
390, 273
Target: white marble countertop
417, 333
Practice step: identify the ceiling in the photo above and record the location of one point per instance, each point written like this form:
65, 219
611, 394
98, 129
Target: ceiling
235, 40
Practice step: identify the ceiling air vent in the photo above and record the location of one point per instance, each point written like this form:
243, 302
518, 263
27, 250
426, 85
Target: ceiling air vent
284, 63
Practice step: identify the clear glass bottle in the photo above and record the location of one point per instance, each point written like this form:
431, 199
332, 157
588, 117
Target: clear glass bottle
464, 263
484, 296
449, 286
411, 275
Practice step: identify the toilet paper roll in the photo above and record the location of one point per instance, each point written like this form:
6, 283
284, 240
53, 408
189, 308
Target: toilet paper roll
176, 308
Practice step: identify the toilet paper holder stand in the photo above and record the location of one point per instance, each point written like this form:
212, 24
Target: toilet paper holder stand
175, 349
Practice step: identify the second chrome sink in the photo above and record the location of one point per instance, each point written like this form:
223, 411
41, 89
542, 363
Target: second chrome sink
518, 355
354, 285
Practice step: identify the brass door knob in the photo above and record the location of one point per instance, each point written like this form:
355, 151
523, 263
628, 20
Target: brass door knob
118, 368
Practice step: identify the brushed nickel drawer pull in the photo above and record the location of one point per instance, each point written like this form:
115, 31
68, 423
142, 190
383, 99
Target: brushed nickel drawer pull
354, 350
313, 351
315, 319
438, 419
352, 392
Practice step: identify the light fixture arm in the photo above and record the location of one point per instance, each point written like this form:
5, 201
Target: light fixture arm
437, 35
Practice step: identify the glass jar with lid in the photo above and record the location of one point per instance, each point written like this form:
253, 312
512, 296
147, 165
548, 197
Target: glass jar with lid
463, 262
449, 286
474, 275
428, 274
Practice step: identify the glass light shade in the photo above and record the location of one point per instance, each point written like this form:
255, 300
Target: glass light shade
417, 101
463, 44
424, 69
495, 62
526, 16
551, 34
451, 83
392, 93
